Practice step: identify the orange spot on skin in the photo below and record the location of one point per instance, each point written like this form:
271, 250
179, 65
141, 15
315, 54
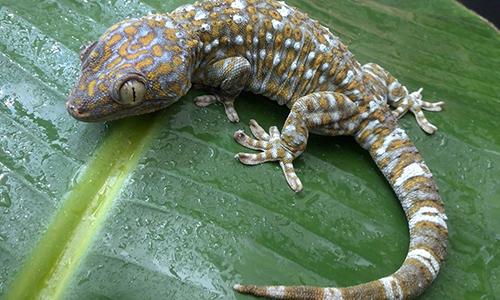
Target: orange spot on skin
147, 39
91, 88
297, 34
102, 60
156, 50
115, 38
170, 34
251, 10
123, 50
162, 69
102, 87
275, 15
177, 61
130, 31
135, 47
144, 63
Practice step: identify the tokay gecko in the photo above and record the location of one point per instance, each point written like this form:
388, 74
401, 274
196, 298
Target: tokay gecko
267, 47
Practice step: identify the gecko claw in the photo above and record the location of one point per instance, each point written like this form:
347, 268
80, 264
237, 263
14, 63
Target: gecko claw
206, 100
414, 103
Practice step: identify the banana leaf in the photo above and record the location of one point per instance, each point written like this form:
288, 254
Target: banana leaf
155, 207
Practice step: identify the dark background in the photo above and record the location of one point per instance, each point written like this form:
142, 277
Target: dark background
489, 9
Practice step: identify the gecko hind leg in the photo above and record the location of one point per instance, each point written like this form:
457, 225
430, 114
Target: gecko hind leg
413, 102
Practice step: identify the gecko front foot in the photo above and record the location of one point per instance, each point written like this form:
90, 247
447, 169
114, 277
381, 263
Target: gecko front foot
272, 149
206, 100
415, 104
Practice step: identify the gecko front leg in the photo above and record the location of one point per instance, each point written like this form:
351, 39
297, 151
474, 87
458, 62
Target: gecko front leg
227, 78
322, 112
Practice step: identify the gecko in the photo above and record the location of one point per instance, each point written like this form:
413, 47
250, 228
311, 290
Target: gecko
266, 47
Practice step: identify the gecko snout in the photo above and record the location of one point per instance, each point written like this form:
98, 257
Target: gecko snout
74, 110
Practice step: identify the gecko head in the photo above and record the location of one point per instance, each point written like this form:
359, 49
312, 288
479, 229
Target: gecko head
137, 66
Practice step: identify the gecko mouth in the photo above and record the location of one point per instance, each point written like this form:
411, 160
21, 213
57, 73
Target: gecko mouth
103, 115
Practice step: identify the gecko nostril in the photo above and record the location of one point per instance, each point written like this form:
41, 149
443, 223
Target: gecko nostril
72, 108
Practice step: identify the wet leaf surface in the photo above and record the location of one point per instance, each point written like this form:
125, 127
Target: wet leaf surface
156, 206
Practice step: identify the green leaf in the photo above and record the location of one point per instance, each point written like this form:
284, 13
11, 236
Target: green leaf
156, 206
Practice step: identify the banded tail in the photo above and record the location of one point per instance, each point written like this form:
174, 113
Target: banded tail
402, 165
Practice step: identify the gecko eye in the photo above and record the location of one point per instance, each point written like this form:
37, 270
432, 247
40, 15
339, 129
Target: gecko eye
131, 92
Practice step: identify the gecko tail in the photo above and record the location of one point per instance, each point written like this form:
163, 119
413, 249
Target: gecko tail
379, 289
412, 182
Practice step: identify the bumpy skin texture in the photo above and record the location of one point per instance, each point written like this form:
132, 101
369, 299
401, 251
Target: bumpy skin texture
269, 48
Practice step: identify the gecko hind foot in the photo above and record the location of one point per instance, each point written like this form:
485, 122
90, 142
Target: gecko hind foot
272, 149
206, 100
415, 104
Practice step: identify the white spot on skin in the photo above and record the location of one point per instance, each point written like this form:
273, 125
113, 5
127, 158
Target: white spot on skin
200, 15
347, 78
284, 11
269, 37
316, 119
215, 43
262, 54
311, 56
437, 219
276, 60
277, 25
427, 259
220, 54
388, 283
323, 48
169, 24
289, 129
238, 19
332, 102
410, 171
297, 46
179, 34
238, 40
322, 79
309, 74
325, 66
274, 154
255, 41
186, 8
293, 66
208, 48
238, 4
288, 42
331, 294
205, 27
397, 134
336, 116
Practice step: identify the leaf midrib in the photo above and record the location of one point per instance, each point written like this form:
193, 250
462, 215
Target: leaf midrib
59, 251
